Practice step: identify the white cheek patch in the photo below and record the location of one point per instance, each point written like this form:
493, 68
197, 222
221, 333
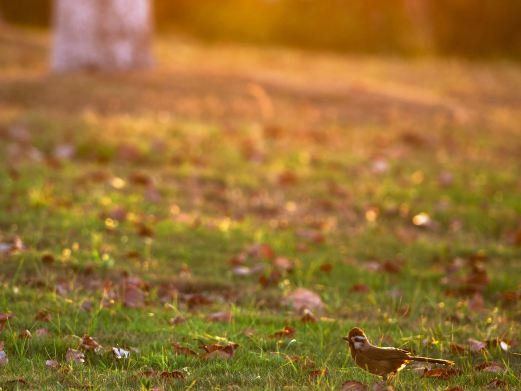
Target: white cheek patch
358, 345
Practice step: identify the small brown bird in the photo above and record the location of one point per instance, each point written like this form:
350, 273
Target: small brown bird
382, 361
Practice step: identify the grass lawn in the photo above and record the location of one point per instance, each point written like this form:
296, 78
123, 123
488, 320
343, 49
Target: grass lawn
181, 208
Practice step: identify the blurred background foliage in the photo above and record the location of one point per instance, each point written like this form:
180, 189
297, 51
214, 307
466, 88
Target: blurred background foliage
470, 28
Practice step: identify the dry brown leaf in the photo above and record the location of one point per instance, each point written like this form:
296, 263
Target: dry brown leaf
475, 345
491, 366
354, 385
183, 350
496, 383
74, 355
286, 332
172, 375
359, 288
43, 316
326, 267
48, 259
196, 299
176, 320
283, 264
89, 343
272, 279
302, 298
52, 364
216, 351
132, 292
260, 251
308, 316
457, 348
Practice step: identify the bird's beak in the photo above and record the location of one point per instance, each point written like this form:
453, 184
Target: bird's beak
345, 339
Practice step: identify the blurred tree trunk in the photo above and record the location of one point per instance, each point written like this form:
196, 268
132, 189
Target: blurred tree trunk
101, 35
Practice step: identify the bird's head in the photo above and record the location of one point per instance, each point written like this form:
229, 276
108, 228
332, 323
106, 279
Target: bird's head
356, 338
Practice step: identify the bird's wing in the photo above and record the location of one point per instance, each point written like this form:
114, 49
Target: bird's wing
388, 353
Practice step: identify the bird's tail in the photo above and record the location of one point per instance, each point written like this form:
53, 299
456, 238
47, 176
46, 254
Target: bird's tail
432, 360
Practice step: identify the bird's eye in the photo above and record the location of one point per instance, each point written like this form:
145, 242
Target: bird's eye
358, 338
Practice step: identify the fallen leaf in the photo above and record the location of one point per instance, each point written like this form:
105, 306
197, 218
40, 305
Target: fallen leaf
442, 373
308, 316
260, 251
354, 385
48, 259
283, 264
216, 351
172, 375
196, 299
326, 267
302, 298
52, 364
74, 355
89, 343
223, 317
133, 294
117, 213
496, 383
475, 345
176, 320
287, 178
272, 279
183, 350
120, 353
19, 380
43, 316
457, 348
491, 366
359, 288
286, 332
